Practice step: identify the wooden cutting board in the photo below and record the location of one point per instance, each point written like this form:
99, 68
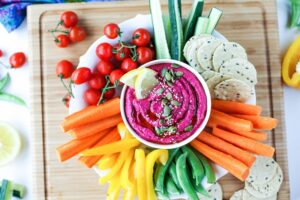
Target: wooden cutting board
253, 23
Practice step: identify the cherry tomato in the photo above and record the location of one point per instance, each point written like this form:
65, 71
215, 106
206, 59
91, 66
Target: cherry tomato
144, 55
116, 75
105, 67
81, 75
121, 54
66, 100
97, 81
128, 64
69, 19
141, 37
92, 96
77, 34
104, 51
62, 41
1, 53
17, 60
111, 30
64, 69
109, 94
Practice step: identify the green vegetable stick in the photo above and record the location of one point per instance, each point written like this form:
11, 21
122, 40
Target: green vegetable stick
4, 81
12, 98
173, 175
171, 187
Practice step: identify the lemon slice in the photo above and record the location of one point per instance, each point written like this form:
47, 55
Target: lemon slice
145, 82
130, 77
10, 143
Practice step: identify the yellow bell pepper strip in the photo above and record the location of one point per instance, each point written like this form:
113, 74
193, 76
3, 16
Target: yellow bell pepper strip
139, 172
111, 148
107, 161
292, 57
114, 189
121, 159
124, 179
123, 131
162, 156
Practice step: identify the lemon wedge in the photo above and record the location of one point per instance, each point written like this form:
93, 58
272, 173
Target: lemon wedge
145, 82
10, 143
130, 77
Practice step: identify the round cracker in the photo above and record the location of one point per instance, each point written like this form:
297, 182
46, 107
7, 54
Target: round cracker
191, 40
248, 196
208, 74
268, 189
232, 90
241, 69
227, 51
215, 193
238, 195
205, 53
215, 80
262, 170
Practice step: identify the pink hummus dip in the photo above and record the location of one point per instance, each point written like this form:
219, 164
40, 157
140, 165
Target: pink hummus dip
173, 110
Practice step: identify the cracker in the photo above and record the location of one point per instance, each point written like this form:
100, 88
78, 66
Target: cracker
238, 195
191, 40
205, 53
215, 80
208, 74
247, 196
227, 51
215, 193
241, 69
232, 90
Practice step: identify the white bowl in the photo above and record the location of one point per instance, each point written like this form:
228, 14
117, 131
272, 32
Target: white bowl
191, 137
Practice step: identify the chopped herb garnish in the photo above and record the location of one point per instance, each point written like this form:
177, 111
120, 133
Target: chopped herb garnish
163, 72
158, 130
179, 74
174, 65
161, 121
169, 96
160, 90
175, 103
168, 76
188, 128
171, 71
169, 84
164, 101
167, 111
172, 129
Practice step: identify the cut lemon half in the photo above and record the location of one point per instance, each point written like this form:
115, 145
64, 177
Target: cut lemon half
10, 143
130, 77
145, 82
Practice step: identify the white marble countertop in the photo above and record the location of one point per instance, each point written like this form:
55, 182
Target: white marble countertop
20, 170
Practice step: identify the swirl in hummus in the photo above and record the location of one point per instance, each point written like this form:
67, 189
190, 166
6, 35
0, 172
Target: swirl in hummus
173, 110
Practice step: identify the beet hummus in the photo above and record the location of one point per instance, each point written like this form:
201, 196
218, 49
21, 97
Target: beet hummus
172, 111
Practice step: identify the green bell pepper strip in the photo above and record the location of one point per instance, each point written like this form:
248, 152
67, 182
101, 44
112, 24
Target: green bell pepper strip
4, 81
195, 163
173, 175
160, 183
183, 177
171, 187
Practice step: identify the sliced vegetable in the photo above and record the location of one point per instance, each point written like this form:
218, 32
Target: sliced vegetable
124, 177
214, 17
295, 14
161, 43
16, 189
173, 175
234, 107
167, 26
107, 161
171, 187
140, 175
201, 26
245, 143
193, 17
255, 135
262, 123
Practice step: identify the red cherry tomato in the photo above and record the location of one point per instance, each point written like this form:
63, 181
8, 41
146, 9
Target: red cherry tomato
122, 53
116, 75
81, 75
144, 55
111, 30
77, 34
66, 100
64, 69
141, 37
1, 53
109, 94
92, 96
69, 19
105, 67
128, 64
62, 41
97, 81
17, 60
104, 51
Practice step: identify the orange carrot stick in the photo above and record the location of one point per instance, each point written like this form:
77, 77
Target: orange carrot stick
76, 146
212, 122
95, 127
225, 120
111, 136
262, 123
255, 135
233, 107
245, 143
91, 114
221, 145
234, 166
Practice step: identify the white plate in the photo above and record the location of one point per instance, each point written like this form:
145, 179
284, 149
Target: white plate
90, 60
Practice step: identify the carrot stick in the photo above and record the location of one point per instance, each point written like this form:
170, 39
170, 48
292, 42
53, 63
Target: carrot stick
111, 135
212, 122
233, 107
221, 145
76, 146
245, 143
225, 120
262, 123
91, 114
234, 166
255, 135
95, 127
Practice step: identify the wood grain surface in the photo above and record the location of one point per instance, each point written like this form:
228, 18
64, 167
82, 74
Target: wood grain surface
252, 23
